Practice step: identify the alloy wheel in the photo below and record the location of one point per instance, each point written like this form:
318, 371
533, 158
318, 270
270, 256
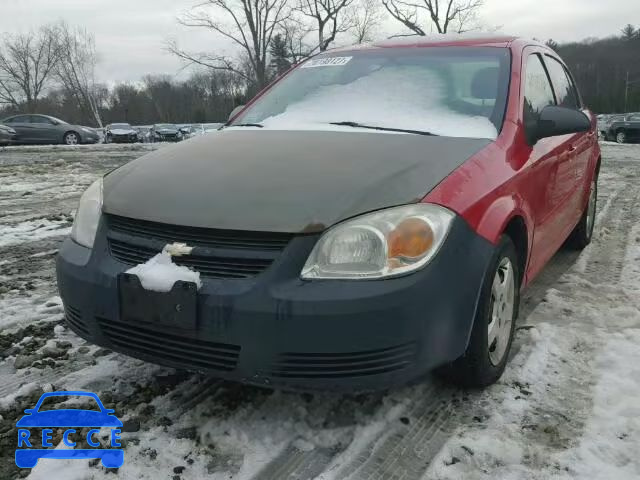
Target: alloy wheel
71, 139
503, 295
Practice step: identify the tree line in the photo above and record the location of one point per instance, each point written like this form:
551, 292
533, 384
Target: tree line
52, 70
606, 70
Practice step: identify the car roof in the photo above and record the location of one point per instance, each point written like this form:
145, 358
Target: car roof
441, 40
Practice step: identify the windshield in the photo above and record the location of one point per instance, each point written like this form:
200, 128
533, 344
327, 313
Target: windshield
452, 91
123, 126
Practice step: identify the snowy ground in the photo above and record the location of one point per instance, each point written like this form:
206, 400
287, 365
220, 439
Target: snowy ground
568, 406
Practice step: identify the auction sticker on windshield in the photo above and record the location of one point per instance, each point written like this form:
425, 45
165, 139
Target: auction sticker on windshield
77, 425
326, 62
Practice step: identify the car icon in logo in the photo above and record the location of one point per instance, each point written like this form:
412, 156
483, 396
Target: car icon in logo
27, 453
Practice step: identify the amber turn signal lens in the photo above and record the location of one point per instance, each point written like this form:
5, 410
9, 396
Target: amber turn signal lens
412, 238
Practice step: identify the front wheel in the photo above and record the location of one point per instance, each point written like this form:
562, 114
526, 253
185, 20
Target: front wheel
71, 138
486, 356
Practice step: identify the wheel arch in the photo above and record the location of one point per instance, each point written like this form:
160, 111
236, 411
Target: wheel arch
509, 216
71, 131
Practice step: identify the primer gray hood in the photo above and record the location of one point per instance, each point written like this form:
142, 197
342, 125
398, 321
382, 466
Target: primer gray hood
282, 181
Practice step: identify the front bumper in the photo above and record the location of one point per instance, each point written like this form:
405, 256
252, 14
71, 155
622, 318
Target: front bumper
278, 330
89, 138
123, 138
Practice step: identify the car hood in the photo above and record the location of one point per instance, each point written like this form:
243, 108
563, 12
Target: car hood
69, 418
122, 131
165, 131
282, 181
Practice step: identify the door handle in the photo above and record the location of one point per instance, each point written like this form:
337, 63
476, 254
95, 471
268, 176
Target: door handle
572, 149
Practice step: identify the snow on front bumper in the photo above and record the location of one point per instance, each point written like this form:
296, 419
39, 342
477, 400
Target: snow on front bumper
276, 329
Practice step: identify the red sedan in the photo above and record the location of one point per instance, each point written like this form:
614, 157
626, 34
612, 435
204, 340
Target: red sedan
371, 216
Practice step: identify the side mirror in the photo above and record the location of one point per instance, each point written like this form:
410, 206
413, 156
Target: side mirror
30, 411
556, 121
235, 111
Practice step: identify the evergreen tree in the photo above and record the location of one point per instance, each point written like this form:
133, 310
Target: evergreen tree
279, 55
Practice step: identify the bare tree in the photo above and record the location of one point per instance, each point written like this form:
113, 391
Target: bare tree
250, 24
329, 18
76, 67
444, 15
366, 19
27, 62
295, 34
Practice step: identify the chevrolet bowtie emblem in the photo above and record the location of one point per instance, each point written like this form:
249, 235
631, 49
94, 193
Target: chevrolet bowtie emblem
177, 249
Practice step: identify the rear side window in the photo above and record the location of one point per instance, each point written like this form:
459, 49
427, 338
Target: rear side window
537, 92
562, 84
19, 119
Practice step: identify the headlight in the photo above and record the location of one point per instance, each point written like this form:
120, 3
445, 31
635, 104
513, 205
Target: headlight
386, 243
85, 225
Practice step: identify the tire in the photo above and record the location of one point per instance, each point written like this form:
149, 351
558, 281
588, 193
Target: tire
71, 138
483, 362
581, 235
621, 136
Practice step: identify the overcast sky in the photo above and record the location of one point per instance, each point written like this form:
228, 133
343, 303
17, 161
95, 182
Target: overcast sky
130, 34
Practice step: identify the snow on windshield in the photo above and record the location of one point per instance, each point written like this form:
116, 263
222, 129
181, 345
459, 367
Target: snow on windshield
409, 97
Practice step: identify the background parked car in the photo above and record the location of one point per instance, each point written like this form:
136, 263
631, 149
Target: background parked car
120, 133
7, 135
144, 133
165, 132
47, 130
624, 129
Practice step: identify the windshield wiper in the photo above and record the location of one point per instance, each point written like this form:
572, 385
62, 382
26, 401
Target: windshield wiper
247, 125
387, 129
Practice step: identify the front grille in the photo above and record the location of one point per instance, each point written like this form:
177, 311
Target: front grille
337, 365
74, 320
216, 254
180, 350
208, 266
204, 237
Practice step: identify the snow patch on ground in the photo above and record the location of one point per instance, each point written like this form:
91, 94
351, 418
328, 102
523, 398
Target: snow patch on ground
32, 231
612, 435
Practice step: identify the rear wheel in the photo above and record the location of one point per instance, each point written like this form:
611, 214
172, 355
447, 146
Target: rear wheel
71, 138
486, 356
582, 234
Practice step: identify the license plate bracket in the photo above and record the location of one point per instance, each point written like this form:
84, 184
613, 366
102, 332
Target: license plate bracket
176, 308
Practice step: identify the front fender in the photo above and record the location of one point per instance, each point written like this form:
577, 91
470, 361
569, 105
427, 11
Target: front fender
497, 216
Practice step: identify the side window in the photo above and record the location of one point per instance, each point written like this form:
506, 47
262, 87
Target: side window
20, 119
537, 92
40, 120
562, 85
